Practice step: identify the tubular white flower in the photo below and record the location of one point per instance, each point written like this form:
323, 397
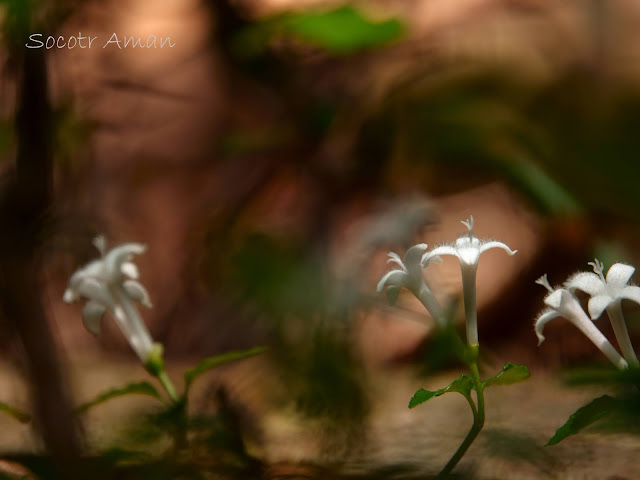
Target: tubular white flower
467, 249
409, 275
607, 294
563, 303
109, 283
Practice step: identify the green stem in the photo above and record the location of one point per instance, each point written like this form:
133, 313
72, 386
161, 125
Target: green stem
168, 386
478, 422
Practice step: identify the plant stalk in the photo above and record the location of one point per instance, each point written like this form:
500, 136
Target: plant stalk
168, 386
478, 422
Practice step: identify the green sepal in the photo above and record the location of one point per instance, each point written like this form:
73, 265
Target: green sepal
463, 385
16, 413
137, 388
585, 416
208, 363
510, 373
155, 362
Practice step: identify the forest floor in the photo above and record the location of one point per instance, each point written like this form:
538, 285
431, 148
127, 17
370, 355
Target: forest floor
391, 438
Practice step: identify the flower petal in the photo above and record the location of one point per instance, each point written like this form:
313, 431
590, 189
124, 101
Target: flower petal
395, 258
542, 320
94, 290
554, 299
441, 250
70, 295
137, 292
598, 304
92, 315
392, 293
484, 246
619, 275
130, 270
586, 282
393, 278
631, 293
118, 255
414, 254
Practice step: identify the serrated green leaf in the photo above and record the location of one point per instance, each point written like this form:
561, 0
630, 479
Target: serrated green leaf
585, 416
211, 362
462, 385
510, 373
137, 388
16, 413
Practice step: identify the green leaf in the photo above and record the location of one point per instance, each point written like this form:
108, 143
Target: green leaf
16, 413
585, 416
211, 362
603, 376
462, 385
137, 388
510, 373
343, 30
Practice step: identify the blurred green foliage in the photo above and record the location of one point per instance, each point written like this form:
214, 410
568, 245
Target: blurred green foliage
137, 388
288, 287
342, 31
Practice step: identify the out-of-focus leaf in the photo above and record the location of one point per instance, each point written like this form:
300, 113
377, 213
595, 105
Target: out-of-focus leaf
545, 192
585, 416
462, 385
137, 388
252, 141
341, 31
344, 30
16, 413
277, 277
211, 362
603, 376
510, 373
444, 349
117, 456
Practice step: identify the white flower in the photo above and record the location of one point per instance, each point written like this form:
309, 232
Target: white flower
409, 275
563, 303
110, 283
468, 248
607, 294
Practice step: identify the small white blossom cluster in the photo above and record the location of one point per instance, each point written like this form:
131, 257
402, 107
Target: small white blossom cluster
467, 248
607, 294
110, 283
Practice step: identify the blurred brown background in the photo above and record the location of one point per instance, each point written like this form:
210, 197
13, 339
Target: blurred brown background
280, 149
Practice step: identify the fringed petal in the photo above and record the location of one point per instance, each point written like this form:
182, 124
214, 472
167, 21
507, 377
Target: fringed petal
598, 304
586, 282
619, 275
484, 246
441, 250
542, 320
